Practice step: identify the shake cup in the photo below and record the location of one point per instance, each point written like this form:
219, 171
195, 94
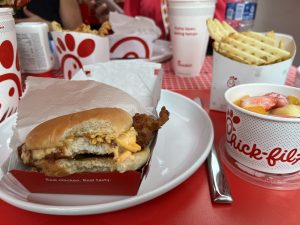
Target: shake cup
189, 35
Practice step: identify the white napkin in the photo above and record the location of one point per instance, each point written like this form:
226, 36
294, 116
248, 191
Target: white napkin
124, 25
135, 77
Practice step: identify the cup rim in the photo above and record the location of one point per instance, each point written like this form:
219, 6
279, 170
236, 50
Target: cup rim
260, 116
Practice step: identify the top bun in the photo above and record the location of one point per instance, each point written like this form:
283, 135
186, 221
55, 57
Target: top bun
52, 133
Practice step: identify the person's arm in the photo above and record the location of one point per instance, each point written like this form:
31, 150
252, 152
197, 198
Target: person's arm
132, 7
70, 14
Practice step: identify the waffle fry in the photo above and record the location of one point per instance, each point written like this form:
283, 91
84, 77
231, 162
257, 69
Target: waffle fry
251, 54
236, 54
218, 30
280, 54
261, 38
246, 47
281, 44
271, 35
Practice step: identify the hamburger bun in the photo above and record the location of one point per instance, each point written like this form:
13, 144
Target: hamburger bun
52, 133
95, 140
63, 167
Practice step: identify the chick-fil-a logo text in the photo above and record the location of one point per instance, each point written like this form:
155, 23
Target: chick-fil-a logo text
253, 151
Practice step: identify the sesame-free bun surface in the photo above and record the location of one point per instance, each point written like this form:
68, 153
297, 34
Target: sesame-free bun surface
52, 133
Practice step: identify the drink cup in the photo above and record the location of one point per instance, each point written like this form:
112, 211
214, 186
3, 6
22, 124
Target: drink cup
10, 76
34, 48
189, 35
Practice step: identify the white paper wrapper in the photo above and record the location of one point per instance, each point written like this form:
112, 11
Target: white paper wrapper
46, 98
135, 77
122, 24
133, 37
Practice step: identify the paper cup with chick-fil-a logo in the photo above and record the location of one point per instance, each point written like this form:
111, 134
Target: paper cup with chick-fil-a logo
265, 143
10, 76
74, 50
189, 35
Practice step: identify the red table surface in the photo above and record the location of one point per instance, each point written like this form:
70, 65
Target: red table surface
172, 82
188, 203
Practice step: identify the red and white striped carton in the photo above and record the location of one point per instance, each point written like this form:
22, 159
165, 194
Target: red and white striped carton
76, 49
132, 37
10, 76
264, 143
228, 73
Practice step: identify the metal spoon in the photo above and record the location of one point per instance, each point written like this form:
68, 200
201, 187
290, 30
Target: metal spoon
219, 188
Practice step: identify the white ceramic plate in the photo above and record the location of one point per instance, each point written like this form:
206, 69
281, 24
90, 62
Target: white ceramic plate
182, 146
162, 51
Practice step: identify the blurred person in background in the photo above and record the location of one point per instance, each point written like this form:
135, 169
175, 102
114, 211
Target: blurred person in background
66, 12
95, 12
13, 3
148, 8
154, 8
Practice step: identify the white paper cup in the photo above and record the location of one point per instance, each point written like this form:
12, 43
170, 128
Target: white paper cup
10, 76
189, 35
264, 143
35, 54
228, 73
76, 49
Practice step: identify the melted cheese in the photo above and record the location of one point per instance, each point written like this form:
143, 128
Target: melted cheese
126, 144
123, 156
128, 141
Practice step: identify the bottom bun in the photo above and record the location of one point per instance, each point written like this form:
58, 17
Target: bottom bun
64, 167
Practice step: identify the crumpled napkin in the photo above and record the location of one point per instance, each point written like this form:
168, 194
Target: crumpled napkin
123, 25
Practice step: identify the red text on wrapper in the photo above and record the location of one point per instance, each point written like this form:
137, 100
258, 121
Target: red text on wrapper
272, 156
